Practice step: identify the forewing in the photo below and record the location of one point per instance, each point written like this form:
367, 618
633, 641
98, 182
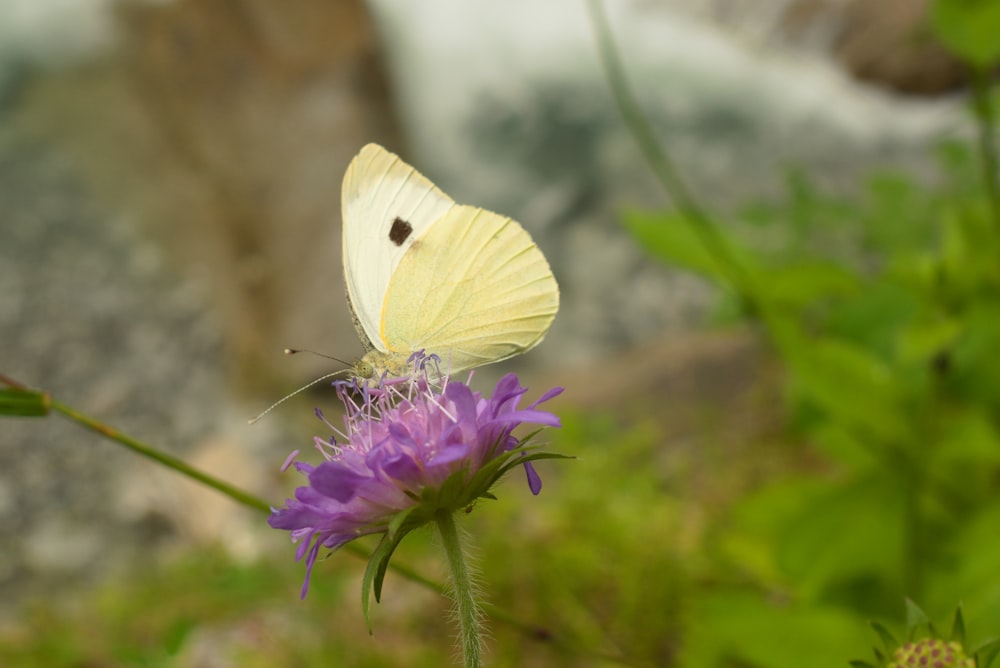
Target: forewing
386, 204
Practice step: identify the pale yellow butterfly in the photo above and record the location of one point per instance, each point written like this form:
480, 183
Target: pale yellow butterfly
425, 273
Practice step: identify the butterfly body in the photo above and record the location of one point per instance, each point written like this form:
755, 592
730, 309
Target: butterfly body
425, 273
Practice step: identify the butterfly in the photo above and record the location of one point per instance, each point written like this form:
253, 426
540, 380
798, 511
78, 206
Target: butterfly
426, 274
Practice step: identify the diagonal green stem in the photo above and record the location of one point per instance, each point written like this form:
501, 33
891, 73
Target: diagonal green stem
467, 608
660, 162
161, 457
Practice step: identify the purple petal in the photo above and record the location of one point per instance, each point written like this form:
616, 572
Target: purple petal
554, 392
400, 467
508, 389
335, 481
304, 468
510, 420
534, 480
452, 453
533, 417
401, 434
463, 399
509, 384
310, 560
297, 516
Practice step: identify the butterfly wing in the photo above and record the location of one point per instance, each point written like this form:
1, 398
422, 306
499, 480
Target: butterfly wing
473, 288
386, 205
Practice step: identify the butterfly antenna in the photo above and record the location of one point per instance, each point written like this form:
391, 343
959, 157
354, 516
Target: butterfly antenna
296, 351
301, 389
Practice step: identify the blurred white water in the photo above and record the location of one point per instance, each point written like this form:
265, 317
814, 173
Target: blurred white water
685, 60
53, 31
721, 79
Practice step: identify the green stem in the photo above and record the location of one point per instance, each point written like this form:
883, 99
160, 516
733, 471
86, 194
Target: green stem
660, 162
469, 617
161, 457
982, 103
182, 467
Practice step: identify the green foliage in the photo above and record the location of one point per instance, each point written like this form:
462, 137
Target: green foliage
921, 640
890, 339
885, 310
969, 28
23, 403
208, 609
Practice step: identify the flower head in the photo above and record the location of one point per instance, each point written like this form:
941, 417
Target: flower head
408, 451
933, 653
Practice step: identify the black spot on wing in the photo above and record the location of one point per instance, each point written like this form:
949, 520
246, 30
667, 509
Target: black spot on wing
400, 231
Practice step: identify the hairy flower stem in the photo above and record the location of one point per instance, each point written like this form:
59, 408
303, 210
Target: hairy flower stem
469, 619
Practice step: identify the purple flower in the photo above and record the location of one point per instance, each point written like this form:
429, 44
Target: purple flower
409, 451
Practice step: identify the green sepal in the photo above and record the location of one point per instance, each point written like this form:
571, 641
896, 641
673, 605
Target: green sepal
518, 461
24, 403
986, 653
399, 520
535, 456
888, 640
915, 619
857, 663
958, 627
378, 562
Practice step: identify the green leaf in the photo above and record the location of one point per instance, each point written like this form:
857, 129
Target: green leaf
987, 653
958, 627
848, 383
969, 28
24, 403
969, 246
975, 371
971, 572
798, 285
916, 618
760, 519
375, 573
923, 339
399, 520
737, 628
888, 640
852, 533
670, 238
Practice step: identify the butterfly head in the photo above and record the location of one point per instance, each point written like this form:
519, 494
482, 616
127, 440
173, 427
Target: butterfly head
377, 365
386, 366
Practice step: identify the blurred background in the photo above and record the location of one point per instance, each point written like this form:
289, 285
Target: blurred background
170, 221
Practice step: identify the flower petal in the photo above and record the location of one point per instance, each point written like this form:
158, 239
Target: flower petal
336, 481
554, 392
534, 480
